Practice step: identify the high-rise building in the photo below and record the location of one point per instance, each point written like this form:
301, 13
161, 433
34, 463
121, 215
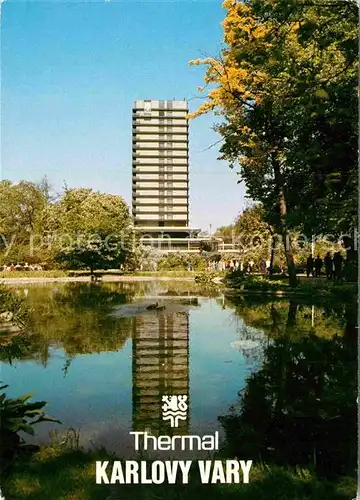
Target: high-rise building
160, 165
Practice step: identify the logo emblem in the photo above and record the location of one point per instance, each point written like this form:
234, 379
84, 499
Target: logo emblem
174, 409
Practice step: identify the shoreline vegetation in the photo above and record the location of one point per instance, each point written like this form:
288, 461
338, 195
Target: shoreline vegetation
68, 472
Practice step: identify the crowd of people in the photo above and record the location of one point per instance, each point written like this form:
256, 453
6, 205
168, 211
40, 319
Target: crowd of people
333, 266
248, 266
21, 267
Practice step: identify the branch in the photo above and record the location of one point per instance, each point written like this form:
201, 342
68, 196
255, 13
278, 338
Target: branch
212, 145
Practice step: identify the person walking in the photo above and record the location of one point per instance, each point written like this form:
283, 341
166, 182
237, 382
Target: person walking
328, 266
268, 264
338, 261
318, 265
310, 266
263, 266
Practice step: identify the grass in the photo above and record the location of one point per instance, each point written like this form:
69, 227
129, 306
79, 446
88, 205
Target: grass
34, 274
57, 473
308, 287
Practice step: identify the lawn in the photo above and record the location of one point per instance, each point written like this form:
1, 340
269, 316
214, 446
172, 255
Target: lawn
59, 474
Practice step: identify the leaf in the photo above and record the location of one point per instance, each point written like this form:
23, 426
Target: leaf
25, 397
28, 428
46, 418
35, 406
321, 93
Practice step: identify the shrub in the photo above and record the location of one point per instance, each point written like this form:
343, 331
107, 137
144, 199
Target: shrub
182, 262
18, 415
205, 277
12, 307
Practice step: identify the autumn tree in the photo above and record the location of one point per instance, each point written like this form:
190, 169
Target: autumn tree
282, 85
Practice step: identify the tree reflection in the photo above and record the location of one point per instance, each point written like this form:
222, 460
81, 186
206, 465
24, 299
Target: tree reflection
74, 316
300, 407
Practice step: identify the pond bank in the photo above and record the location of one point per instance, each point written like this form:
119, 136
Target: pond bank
57, 473
84, 279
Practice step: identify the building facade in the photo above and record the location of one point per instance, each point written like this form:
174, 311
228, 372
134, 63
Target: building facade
160, 177
160, 165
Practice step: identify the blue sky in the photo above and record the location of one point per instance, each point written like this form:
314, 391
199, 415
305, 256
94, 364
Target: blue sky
70, 73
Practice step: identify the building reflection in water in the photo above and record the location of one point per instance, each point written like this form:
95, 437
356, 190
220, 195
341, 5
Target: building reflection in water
160, 365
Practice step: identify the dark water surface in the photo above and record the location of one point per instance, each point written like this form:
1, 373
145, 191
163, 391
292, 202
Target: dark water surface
102, 361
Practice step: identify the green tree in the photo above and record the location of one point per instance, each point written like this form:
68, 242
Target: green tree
21, 220
226, 233
283, 84
254, 234
91, 229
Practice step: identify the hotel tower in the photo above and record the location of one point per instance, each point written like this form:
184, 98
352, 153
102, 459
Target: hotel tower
160, 164
160, 172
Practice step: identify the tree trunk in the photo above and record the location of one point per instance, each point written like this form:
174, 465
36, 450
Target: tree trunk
351, 262
272, 255
285, 235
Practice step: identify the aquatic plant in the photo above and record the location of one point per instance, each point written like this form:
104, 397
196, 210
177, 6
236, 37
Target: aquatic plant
18, 415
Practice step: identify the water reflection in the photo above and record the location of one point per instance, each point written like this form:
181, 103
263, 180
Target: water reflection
75, 317
160, 367
110, 360
299, 408
293, 364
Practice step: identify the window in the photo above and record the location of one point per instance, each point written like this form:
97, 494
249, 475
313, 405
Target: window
147, 108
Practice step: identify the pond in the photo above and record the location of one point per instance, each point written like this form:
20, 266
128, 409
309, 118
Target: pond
103, 359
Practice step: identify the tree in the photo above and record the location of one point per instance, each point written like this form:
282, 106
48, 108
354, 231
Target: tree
21, 221
255, 234
91, 229
226, 233
287, 67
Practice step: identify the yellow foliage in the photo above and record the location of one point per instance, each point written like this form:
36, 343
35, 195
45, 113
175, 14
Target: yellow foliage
261, 64
321, 93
